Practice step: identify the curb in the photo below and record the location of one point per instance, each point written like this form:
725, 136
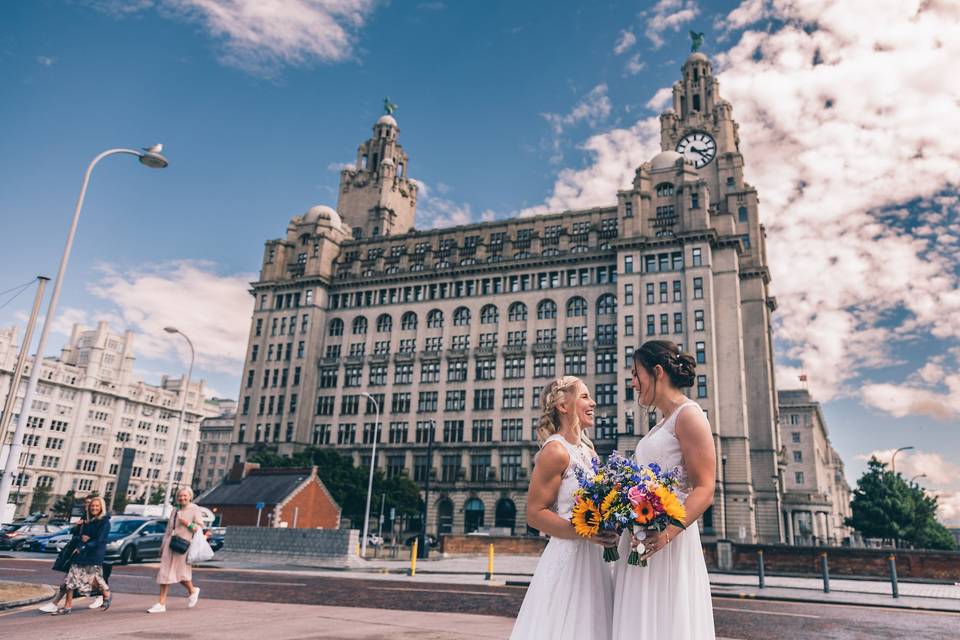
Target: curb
875, 605
13, 604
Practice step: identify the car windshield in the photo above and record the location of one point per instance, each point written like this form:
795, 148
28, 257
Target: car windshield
124, 527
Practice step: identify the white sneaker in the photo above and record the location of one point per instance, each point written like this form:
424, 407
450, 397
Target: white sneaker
157, 608
194, 596
97, 603
50, 607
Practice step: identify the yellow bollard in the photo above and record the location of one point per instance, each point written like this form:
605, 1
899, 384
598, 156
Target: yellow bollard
413, 558
358, 549
489, 575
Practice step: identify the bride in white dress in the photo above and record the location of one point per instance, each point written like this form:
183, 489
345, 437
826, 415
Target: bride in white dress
670, 597
571, 594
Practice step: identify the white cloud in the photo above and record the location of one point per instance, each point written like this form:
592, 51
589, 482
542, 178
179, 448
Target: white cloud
669, 15
930, 391
841, 126
661, 99
46, 61
592, 108
259, 36
337, 167
748, 12
213, 310
635, 65
624, 42
436, 212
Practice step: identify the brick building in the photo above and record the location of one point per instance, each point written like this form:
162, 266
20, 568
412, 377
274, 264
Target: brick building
293, 498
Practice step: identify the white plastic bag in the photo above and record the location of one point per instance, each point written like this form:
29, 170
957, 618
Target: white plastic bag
199, 550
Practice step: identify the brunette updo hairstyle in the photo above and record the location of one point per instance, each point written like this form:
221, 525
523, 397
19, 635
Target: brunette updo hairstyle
680, 368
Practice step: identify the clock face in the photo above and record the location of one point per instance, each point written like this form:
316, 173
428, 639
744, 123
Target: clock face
699, 147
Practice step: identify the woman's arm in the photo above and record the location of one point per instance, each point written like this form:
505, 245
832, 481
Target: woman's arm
100, 536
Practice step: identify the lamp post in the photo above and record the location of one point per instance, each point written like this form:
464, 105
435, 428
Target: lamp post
893, 458
149, 157
423, 550
183, 407
373, 464
919, 475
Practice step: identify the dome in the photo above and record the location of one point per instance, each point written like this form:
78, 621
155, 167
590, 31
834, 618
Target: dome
666, 159
322, 212
387, 119
698, 56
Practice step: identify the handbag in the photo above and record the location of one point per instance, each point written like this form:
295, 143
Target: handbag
177, 544
65, 557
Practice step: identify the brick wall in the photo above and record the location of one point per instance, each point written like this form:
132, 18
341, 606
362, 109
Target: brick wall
324, 547
241, 515
512, 545
312, 506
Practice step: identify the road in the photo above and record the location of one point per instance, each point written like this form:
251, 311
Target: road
735, 619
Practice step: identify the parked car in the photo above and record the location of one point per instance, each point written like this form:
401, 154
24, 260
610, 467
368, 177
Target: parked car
132, 539
431, 540
39, 542
12, 539
55, 544
215, 536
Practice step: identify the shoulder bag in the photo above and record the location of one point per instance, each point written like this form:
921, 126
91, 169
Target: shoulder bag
178, 544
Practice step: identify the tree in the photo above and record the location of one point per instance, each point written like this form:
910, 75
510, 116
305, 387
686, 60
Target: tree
41, 497
887, 506
63, 507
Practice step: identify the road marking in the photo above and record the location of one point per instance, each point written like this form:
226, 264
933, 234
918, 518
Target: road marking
473, 593
241, 582
24, 570
767, 613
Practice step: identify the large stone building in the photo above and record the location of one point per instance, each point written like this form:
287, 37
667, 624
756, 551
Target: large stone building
816, 497
213, 450
87, 409
460, 328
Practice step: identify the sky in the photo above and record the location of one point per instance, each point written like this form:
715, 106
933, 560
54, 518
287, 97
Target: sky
849, 118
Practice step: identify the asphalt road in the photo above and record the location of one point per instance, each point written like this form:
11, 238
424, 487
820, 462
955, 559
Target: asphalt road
735, 619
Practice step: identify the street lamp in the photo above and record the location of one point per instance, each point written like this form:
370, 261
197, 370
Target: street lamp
893, 458
373, 464
183, 407
919, 475
423, 549
149, 157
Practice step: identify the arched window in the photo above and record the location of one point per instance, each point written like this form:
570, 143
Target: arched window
466, 262
393, 269
489, 315
552, 251
742, 214
576, 307
580, 248
665, 189
506, 514
521, 255
546, 310
472, 515
408, 321
516, 312
359, 325
384, 323
607, 305
335, 328
461, 317
435, 319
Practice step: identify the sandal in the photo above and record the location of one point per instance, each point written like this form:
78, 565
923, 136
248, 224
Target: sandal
106, 602
62, 611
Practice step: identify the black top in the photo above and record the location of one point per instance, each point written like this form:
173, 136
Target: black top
91, 552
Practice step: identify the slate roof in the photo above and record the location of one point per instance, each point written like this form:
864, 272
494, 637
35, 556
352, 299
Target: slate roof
269, 488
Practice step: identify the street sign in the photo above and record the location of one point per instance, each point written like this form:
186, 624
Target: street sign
260, 505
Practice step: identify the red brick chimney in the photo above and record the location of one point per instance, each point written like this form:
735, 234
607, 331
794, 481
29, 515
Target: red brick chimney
240, 471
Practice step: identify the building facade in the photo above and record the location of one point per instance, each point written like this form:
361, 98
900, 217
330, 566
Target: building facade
87, 409
454, 332
816, 498
213, 451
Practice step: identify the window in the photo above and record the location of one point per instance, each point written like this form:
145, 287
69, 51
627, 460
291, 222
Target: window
606, 361
677, 260
400, 403
349, 405
628, 325
325, 405
576, 307
546, 310
253, 353
427, 401
628, 294
346, 433
576, 334
435, 319
403, 373
628, 264
514, 368
378, 375
457, 371
546, 336
517, 338
461, 317
408, 322
698, 288
664, 189
510, 467
798, 476
742, 214
701, 386
517, 312
798, 456
429, 372
664, 323
451, 468
795, 436
697, 257
544, 366
607, 305
651, 325
513, 398
426, 431
486, 369
489, 314
698, 320
398, 432
488, 339
482, 431
606, 394
575, 364
663, 292
352, 376
483, 399
455, 401
396, 462
694, 200
384, 323
335, 328
369, 428
420, 467
479, 466
677, 294
678, 323
408, 345
511, 430
328, 378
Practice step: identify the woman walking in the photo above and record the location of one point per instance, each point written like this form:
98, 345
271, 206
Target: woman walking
670, 598
570, 596
184, 521
86, 569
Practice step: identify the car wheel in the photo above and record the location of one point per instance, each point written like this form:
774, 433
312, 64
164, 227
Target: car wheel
129, 555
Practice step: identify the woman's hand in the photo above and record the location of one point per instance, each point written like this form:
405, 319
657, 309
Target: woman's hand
85, 539
605, 539
185, 522
656, 540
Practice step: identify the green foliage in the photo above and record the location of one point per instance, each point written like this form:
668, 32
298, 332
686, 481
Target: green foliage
887, 506
63, 507
40, 499
347, 483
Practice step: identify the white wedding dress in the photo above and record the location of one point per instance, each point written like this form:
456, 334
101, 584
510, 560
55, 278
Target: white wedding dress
571, 594
670, 597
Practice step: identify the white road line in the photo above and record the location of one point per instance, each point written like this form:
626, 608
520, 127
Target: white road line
11, 569
242, 582
766, 613
473, 593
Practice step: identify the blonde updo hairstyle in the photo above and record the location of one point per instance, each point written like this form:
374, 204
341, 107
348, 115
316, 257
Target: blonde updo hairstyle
553, 394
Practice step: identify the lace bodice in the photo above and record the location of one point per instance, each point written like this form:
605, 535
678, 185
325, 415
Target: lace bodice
661, 446
580, 456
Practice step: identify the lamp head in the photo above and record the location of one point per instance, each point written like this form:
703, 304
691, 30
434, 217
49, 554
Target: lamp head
171, 330
153, 158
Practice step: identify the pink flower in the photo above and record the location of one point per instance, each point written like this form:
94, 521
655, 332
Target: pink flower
635, 495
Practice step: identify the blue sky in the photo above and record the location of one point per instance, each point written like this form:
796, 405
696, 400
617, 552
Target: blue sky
505, 108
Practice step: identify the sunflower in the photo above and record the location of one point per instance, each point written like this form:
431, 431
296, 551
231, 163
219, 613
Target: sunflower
643, 511
671, 504
586, 518
608, 502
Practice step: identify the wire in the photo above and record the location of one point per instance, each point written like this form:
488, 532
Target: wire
21, 288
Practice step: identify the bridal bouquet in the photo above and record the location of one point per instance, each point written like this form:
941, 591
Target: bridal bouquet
655, 502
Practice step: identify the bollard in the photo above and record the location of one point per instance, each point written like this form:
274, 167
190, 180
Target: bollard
826, 572
760, 575
892, 560
413, 558
489, 575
